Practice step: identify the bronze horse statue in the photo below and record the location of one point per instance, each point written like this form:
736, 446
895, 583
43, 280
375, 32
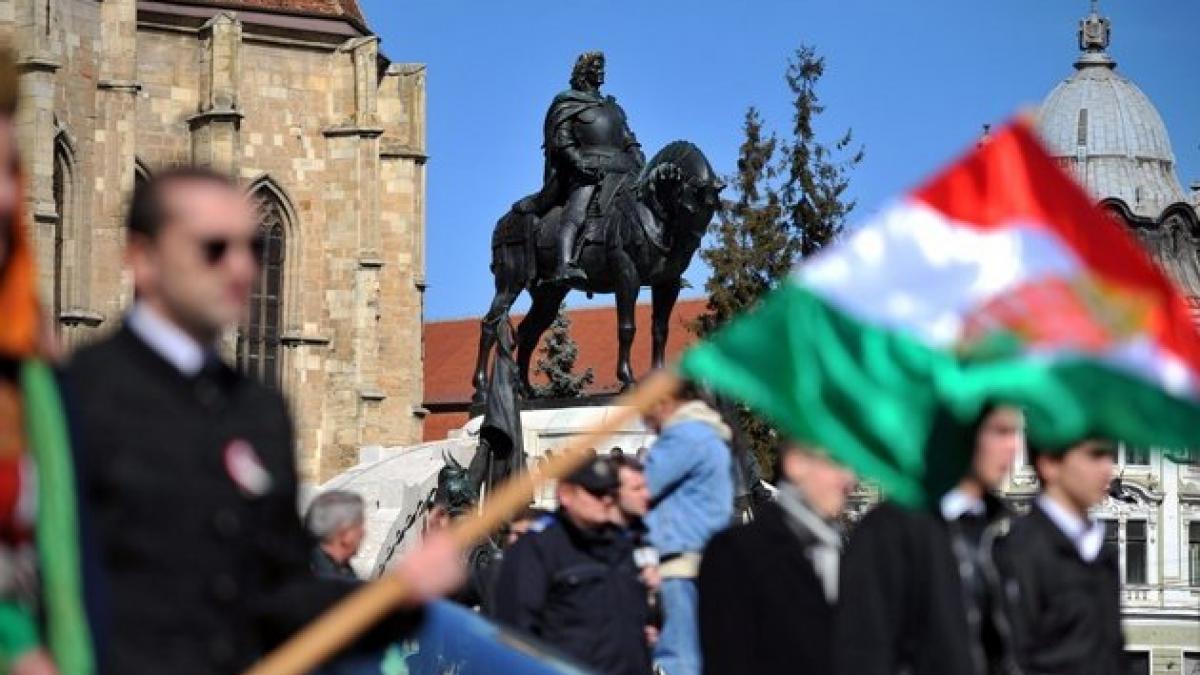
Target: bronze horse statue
645, 236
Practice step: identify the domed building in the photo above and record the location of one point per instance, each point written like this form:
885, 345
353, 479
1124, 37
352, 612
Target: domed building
1105, 131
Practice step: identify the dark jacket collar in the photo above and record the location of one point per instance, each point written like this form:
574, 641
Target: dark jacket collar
145, 355
792, 537
323, 565
590, 540
1060, 542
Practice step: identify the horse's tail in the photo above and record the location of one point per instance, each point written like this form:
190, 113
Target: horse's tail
513, 245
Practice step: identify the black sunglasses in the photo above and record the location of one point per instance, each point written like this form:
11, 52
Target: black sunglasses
216, 248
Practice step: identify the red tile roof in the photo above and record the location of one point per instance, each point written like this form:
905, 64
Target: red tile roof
347, 9
450, 348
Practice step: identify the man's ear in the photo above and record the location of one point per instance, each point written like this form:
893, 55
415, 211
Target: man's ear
1043, 464
136, 249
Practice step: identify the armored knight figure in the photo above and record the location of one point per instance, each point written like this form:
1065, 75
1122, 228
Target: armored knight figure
590, 155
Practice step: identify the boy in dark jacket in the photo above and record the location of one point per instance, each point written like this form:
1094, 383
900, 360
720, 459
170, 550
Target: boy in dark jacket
768, 589
919, 592
1067, 609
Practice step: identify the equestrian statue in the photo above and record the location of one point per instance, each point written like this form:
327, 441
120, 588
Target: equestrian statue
604, 221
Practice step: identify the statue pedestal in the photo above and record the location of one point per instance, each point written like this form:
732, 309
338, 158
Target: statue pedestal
396, 482
547, 424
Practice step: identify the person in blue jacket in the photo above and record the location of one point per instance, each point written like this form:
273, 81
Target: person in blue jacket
688, 470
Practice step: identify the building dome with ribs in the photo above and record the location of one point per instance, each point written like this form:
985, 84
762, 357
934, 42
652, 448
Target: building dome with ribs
1105, 131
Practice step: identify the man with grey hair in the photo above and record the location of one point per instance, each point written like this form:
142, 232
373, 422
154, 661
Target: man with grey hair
335, 520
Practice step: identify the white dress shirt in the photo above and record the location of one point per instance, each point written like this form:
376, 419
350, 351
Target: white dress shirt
166, 339
956, 502
1086, 535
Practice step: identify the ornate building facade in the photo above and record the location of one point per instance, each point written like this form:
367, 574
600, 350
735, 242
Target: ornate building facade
1104, 130
293, 99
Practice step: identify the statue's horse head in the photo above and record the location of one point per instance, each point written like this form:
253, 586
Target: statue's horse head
681, 188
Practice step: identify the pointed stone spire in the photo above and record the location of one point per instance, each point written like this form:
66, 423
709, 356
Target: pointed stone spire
1095, 31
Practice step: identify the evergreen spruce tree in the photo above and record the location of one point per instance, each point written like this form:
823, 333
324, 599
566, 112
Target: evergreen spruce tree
813, 194
557, 362
788, 202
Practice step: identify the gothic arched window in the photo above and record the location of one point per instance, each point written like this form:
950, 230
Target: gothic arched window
259, 340
64, 199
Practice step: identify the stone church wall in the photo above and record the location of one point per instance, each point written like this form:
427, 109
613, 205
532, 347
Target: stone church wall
303, 111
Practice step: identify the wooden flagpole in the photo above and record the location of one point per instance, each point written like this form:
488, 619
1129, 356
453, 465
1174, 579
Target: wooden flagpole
360, 610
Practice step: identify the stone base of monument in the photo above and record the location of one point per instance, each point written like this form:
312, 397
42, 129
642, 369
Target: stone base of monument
396, 482
546, 424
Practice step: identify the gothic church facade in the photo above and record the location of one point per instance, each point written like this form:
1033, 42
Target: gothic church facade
293, 99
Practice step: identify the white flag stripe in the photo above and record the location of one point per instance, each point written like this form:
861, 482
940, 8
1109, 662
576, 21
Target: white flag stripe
913, 269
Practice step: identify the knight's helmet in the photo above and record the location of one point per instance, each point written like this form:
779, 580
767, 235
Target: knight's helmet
454, 491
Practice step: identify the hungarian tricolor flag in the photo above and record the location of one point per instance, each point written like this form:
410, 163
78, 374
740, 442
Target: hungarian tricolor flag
999, 281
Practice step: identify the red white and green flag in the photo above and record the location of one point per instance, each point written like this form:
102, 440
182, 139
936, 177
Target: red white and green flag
997, 281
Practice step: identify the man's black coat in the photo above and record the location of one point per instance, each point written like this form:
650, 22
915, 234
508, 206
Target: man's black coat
902, 604
762, 607
205, 561
578, 591
1067, 612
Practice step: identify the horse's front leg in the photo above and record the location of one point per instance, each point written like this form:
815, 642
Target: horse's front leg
663, 297
546, 302
627, 285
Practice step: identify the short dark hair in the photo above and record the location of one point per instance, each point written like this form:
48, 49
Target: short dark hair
624, 461
148, 208
1057, 452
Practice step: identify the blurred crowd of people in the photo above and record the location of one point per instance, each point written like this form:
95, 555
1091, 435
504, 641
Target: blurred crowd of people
644, 568
148, 519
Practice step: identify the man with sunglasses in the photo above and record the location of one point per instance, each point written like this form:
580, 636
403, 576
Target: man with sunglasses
189, 466
572, 582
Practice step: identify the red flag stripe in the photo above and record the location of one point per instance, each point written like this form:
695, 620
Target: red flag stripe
1013, 179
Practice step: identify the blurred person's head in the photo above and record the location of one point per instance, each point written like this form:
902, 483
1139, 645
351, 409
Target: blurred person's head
588, 495
194, 249
335, 518
1078, 477
999, 435
24, 328
660, 411
633, 495
823, 482
521, 524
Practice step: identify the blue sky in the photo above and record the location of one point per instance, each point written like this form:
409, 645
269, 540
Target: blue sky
915, 80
